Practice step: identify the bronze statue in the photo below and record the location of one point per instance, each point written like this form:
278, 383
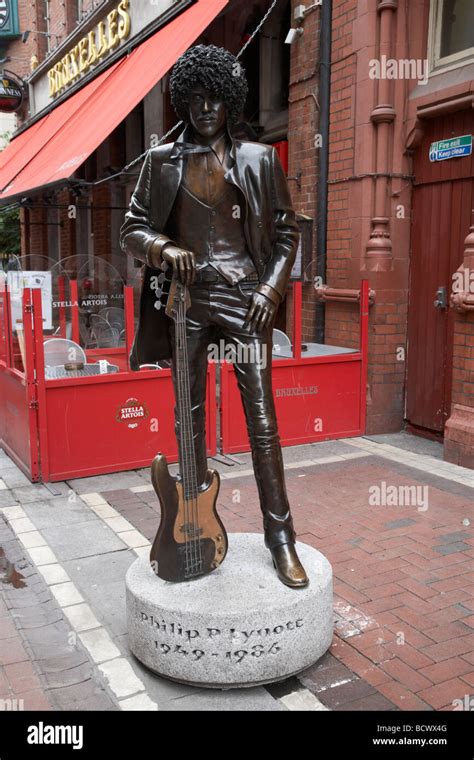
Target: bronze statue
218, 211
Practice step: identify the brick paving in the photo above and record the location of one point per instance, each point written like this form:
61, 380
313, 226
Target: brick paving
42, 663
403, 581
403, 578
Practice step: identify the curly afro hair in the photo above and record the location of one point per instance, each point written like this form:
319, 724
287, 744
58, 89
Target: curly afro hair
216, 70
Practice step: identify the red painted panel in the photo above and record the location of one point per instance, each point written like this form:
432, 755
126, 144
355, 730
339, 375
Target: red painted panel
15, 419
282, 150
113, 424
315, 401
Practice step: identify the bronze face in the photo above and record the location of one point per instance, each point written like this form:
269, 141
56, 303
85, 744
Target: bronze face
207, 114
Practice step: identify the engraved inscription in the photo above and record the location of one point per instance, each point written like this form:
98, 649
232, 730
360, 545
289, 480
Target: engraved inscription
256, 642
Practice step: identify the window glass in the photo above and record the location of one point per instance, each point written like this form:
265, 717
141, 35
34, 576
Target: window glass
457, 32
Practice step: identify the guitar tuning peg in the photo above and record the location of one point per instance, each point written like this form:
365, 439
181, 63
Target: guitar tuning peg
158, 305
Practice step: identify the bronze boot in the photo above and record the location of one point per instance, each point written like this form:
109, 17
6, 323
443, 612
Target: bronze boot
280, 539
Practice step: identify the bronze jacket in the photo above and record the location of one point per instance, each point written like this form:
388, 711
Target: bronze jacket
270, 227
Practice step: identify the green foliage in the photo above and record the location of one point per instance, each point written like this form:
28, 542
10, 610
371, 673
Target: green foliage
10, 232
9, 223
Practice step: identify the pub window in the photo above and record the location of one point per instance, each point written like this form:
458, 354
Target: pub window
452, 32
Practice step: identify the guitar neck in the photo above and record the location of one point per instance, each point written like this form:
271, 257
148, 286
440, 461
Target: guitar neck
187, 457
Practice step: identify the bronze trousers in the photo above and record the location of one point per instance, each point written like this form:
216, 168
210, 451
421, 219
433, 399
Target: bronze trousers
217, 314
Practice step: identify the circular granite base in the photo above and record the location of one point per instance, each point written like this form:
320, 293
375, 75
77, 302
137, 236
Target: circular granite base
239, 626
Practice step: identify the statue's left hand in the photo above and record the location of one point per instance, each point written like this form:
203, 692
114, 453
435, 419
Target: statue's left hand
261, 312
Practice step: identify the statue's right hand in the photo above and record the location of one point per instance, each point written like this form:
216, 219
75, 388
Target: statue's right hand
182, 261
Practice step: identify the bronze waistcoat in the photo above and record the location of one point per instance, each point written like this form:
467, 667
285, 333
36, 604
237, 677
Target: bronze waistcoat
214, 233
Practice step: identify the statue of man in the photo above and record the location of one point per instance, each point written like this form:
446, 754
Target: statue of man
218, 211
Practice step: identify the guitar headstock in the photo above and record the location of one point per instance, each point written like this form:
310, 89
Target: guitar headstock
178, 295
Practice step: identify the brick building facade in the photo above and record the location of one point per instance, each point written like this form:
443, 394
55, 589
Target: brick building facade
384, 194
385, 218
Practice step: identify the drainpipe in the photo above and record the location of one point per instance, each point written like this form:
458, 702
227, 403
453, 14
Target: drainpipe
324, 119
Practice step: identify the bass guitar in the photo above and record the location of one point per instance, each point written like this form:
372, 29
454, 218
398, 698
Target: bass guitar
191, 540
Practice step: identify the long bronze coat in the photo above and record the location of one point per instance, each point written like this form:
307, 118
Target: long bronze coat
271, 230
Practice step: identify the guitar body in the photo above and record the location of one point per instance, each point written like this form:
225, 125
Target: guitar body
185, 548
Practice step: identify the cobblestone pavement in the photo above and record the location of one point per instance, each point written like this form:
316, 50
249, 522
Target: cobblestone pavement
395, 521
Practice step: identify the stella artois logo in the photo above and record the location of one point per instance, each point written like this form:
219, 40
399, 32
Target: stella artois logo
132, 413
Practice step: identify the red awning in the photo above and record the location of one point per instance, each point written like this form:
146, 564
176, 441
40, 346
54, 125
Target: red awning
54, 147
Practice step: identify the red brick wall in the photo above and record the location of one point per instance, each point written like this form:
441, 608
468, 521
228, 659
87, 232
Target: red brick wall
342, 327
302, 130
353, 148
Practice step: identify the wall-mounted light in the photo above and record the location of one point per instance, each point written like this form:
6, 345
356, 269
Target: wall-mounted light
27, 32
300, 13
293, 35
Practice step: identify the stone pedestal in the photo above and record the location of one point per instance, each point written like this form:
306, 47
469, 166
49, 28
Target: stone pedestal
239, 626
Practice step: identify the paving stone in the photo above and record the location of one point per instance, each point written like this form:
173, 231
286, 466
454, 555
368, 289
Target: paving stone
346, 693
318, 679
31, 493
99, 645
66, 594
12, 651
140, 702
37, 615
245, 700
101, 483
53, 574
303, 700
71, 657
76, 675
101, 581
444, 693
88, 695
35, 700
121, 677
22, 525
459, 546
42, 555
449, 538
7, 629
86, 540
22, 677
373, 702
402, 523
58, 512
14, 478
32, 540
7, 499
443, 671
118, 524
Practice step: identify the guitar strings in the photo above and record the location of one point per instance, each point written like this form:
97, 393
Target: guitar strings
190, 485
192, 460
180, 347
182, 443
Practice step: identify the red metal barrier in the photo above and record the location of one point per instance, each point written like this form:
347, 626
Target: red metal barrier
18, 422
83, 426
317, 398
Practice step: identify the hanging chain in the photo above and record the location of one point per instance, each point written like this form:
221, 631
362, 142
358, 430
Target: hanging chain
259, 27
